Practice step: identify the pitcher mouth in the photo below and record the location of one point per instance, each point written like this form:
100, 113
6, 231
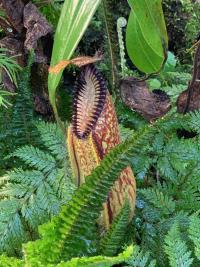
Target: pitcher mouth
89, 100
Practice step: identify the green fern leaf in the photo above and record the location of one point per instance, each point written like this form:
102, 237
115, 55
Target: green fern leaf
12, 231
53, 139
176, 249
193, 120
99, 261
21, 130
38, 192
110, 244
36, 158
10, 262
140, 259
194, 229
163, 202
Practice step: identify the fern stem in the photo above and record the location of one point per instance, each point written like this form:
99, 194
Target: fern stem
111, 53
58, 120
121, 22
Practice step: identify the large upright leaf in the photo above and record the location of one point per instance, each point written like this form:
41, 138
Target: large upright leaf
74, 19
146, 36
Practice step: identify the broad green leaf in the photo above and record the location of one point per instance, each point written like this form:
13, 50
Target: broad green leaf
74, 19
146, 36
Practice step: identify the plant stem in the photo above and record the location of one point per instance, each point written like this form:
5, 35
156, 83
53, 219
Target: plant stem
111, 53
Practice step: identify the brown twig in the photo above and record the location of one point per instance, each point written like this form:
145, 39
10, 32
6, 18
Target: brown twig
194, 78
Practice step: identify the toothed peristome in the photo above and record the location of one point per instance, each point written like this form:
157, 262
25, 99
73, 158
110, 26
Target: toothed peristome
89, 99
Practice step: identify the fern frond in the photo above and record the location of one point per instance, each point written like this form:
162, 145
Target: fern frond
125, 132
12, 231
69, 234
21, 127
28, 200
176, 249
17, 127
53, 139
36, 158
9, 64
3, 98
121, 22
99, 261
140, 259
63, 185
189, 197
193, 120
39, 192
110, 244
162, 202
177, 155
10, 262
194, 228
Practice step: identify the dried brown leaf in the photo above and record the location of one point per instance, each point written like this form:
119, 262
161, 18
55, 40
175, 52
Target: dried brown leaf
14, 48
189, 99
14, 11
78, 61
136, 95
36, 25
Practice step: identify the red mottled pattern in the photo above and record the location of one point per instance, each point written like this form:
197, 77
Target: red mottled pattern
106, 132
106, 136
83, 155
124, 188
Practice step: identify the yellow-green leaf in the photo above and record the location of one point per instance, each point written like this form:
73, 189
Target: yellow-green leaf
99, 261
74, 19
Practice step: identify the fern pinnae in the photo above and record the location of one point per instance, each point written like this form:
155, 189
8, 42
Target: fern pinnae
121, 23
34, 192
20, 128
140, 258
99, 261
10, 261
34, 157
52, 138
159, 200
9, 64
12, 231
194, 227
113, 239
176, 249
